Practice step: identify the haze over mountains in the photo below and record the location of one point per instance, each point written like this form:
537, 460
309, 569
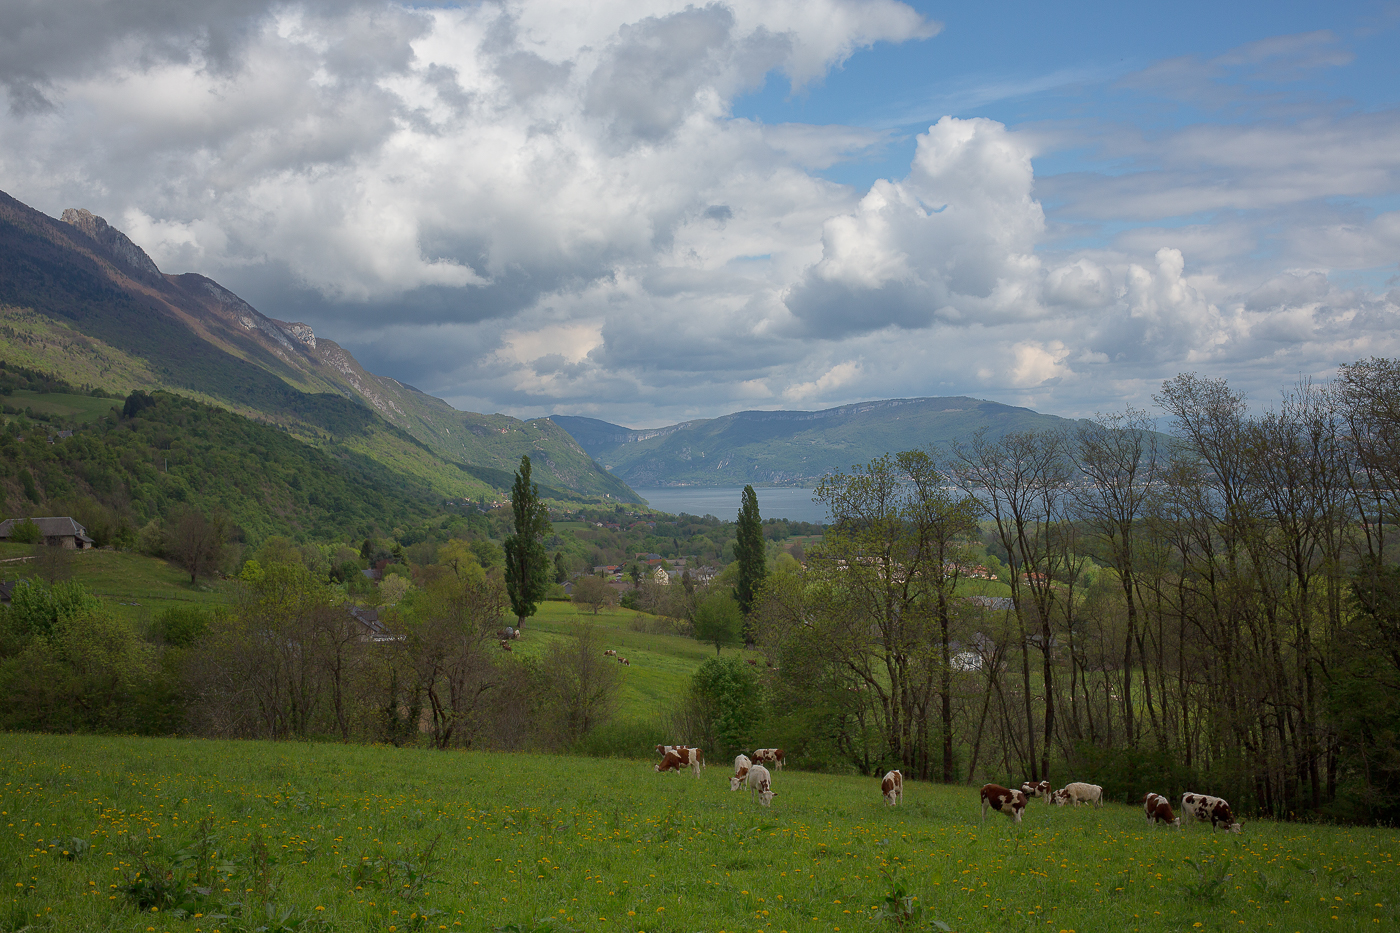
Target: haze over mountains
791, 448
80, 299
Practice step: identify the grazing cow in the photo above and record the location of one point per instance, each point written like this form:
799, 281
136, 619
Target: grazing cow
692, 758
1158, 810
1041, 790
772, 756
1215, 809
892, 786
1010, 802
752, 661
1077, 793
675, 760
505, 645
610, 653
741, 771
761, 783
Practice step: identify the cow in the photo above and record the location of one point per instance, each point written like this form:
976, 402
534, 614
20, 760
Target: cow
610, 653
675, 760
772, 756
1077, 793
761, 783
1203, 807
1159, 810
1010, 802
741, 771
892, 787
505, 645
1041, 790
692, 758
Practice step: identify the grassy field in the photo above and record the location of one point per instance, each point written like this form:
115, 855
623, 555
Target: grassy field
105, 834
71, 408
133, 585
661, 665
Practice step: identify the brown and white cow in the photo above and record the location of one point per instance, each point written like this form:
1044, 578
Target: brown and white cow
741, 771
1078, 792
760, 783
674, 760
1159, 810
1206, 808
1010, 802
610, 653
892, 786
1042, 790
691, 758
772, 756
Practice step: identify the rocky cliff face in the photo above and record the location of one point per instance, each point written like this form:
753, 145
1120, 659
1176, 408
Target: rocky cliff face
116, 245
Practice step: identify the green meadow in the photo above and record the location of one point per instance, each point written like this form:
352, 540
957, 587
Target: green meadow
79, 408
170, 835
134, 587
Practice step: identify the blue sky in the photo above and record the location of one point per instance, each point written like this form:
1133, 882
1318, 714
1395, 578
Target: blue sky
649, 211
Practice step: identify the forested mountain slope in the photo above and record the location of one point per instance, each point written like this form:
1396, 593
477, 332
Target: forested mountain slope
791, 447
78, 298
176, 451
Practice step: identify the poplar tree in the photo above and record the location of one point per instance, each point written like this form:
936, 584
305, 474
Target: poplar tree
528, 566
749, 551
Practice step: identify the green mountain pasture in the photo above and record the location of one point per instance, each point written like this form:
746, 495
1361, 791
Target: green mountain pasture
170, 835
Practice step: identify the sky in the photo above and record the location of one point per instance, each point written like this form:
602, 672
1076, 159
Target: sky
649, 212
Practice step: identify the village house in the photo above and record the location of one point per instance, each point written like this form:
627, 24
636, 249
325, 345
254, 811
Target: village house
54, 532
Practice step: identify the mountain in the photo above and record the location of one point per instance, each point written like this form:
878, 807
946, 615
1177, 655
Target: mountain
791, 448
78, 298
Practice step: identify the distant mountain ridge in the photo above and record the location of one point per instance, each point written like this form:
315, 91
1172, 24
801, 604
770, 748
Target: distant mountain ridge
791, 448
77, 295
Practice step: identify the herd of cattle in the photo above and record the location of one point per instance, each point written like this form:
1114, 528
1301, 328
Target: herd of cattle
1196, 807
752, 773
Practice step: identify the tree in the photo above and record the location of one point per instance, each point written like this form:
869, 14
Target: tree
196, 540
718, 621
583, 683
561, 573
26, 532
594, 593
879, 600
527, 561
724, 709
749, 551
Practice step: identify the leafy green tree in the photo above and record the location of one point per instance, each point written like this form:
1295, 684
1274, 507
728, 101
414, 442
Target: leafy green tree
749, 552
561, 573
718, 621
26, 532
527, 561
725, 705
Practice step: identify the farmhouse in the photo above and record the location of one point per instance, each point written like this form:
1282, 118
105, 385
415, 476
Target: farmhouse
53, 531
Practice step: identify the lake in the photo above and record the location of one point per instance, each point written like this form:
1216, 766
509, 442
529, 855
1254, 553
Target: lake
787, 502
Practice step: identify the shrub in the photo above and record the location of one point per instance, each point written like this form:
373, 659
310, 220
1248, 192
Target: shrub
26, 532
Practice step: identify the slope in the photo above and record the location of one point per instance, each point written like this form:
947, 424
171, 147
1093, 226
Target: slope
178, 450
78, 293
791, 447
